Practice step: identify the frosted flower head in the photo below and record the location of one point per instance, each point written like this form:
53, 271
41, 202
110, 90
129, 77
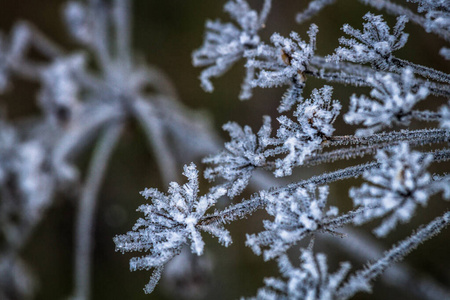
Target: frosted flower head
437, 15
296, 216
391, 102
171, 221
226, 43
310, 280
245, 152
301, 138
59, 94
317, 114
397, 187
285, 61
35, 181
26, 165
374, 45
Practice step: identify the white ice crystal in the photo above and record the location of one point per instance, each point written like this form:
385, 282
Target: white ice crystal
437, 13
445, 116
284, 63
301, 138
59, 94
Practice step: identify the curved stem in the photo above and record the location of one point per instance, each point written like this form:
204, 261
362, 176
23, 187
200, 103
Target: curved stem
86, 210
146, 114
361, 279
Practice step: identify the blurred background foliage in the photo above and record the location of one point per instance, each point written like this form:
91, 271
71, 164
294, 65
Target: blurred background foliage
164, 34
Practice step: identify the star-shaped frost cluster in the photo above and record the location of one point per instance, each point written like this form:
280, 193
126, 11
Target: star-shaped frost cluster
396, 188
226, 43
285, 61
296, 215
171, 221
27, 181
243, 154
314, 123
391, 103
311, 281
374, 45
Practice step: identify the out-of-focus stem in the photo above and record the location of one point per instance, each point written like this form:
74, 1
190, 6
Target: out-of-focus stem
86, 210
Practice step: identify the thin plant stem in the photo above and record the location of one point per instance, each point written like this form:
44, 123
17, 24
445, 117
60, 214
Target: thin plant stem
86, 210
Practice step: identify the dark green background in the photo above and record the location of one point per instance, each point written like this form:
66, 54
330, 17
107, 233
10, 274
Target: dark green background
165, 33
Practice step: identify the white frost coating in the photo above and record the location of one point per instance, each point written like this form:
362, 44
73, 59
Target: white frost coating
311, 281
226, 43
301, 138
374, 45
296, 215
391, 103
445, 116
398, 187
284, 63
170, 222
243, 154
59, 94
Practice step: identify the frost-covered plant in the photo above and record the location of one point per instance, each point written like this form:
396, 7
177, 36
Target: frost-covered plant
245, 152
87, 96
80, 107
399, 185
284, 64
226, 43
306, 136
297, 214
292, 56
374, 45
310, 281
170, 221
437, 13
393, 105
303, 137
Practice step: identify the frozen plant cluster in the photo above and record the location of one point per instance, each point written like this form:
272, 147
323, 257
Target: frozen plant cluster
171, 220
398, 183
86, 97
